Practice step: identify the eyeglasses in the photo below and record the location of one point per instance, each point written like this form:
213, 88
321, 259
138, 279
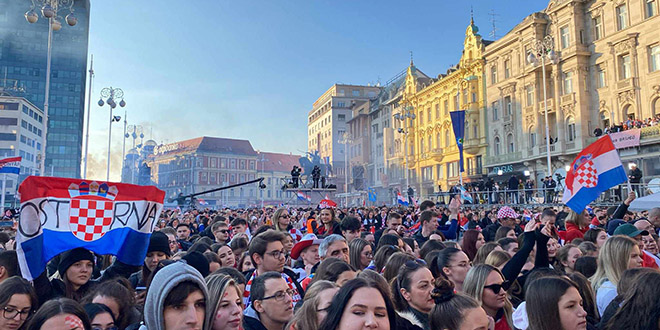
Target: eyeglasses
172, 242
280, 295
224, 231
284, 216
497, 287
10, 313
276, 254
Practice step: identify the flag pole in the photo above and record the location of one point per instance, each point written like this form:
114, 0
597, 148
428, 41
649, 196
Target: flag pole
2, 199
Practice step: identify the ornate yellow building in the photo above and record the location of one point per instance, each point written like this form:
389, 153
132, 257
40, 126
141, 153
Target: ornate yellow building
433, 156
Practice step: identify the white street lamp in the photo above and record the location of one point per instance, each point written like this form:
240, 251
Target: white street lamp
407, 115
111, 94
346, 138
544, 49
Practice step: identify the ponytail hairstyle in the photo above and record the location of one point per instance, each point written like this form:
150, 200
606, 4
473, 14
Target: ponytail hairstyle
441, 261
403, 281
394, 263
449, 307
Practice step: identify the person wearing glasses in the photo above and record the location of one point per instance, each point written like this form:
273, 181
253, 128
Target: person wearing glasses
220, 231
101, 317
18, 302
268, 255
411, 292
271, 303
487, 285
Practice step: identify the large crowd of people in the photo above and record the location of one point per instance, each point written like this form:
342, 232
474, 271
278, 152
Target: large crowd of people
431, 266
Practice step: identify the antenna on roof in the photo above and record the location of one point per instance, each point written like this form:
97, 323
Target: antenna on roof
493, 33
411, 58
471, 14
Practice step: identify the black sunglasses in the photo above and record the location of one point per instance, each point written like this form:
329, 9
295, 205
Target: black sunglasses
497, 287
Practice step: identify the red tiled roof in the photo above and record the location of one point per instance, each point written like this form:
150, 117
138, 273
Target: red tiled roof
275, 162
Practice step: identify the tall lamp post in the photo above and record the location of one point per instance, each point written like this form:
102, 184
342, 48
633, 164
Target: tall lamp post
408, 113
134, 131
544, 49
49, 9
111, 94
346, 138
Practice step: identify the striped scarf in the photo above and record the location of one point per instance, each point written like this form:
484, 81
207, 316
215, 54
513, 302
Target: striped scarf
246, 294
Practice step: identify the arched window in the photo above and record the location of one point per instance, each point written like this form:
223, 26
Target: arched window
570, 129
628, 112
421, 145
438, 139
654, 107
604, 119
430, 143
509, 143
446, 139
466, 135
497, 146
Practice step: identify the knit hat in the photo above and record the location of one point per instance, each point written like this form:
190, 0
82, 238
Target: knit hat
159, 242
198, 261
70, 257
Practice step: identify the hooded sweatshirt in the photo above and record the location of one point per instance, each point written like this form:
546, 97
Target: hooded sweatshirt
165, 280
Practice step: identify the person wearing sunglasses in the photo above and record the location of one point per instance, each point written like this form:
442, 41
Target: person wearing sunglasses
487, 285
18, 302
220, 231
282, 221
271, 303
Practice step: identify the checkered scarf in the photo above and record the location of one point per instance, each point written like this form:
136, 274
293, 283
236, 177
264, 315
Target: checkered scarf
246, 294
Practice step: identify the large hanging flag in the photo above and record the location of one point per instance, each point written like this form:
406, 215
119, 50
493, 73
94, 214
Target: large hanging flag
596, 169
458, 124
10, 165
372, 194
60, 214
401, 200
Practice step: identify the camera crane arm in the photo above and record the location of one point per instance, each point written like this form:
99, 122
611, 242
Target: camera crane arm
184, 197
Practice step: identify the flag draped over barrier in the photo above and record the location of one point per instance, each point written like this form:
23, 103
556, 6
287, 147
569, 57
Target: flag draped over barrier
59, 214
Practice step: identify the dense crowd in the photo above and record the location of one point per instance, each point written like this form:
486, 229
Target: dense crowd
630, 123
430, 266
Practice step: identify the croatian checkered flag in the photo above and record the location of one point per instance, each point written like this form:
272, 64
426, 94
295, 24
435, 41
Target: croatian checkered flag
596, 169
60, 214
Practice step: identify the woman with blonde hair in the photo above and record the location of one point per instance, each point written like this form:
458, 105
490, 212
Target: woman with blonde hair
282, 222
314, 307
225, 304
487, 285
576, 225
616, 255
497, 259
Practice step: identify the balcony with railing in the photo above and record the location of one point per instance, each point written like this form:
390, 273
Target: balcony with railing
626, 84
568, 98
477, 171
543, 149
437, 154
472, 146
650, 133
551, 106
510, 157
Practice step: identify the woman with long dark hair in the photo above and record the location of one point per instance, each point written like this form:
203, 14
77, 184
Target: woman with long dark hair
455, 311
554, 303
451, 264
472, 240
329, 223
62, 313
411, 292
360, 303
17, 301
641, 307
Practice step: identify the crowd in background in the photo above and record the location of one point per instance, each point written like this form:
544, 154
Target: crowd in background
430, 266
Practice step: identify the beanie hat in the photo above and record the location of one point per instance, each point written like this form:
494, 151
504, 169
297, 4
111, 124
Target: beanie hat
159, 242
70, 257
198, 261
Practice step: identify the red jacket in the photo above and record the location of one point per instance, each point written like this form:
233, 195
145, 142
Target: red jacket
573, 232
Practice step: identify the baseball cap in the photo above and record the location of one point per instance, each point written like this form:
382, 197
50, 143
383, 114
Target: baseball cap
629, 230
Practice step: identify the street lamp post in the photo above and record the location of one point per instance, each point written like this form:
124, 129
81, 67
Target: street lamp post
49, 9
408, 113
544, 49
111, 94
346, 139
134, 131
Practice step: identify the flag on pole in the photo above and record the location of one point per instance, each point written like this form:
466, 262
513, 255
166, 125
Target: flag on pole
466, 196
304, 197
458, 124
10, 165
401, 200
596, 169
372, 194
60, 214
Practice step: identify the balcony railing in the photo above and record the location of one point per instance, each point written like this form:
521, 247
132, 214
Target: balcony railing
551, 106
543, 149
570, 145
651, 132
568, 98
626, 83
504, 158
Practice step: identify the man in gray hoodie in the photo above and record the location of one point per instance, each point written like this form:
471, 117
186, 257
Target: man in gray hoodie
176, 299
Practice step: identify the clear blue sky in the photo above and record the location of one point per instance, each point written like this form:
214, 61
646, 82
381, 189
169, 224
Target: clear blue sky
252, 69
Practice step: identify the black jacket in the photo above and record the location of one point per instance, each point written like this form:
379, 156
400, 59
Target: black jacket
250, 323
635, 175
490, 231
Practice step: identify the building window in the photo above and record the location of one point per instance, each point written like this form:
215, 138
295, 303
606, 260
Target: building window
532, 138
529, 91
508, 106
446, 106
437, 142
437, 111
654, 58
598, 27
421, 117
341, 117
565, 36
497, 146
651, 8
493, 74
625, 68
568, 82
621, 17
571, 129
356, 92
430, 143
421, 146
600, 76
446, 139
428, 115
496, 114
507, 69
509, 143
341, 104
